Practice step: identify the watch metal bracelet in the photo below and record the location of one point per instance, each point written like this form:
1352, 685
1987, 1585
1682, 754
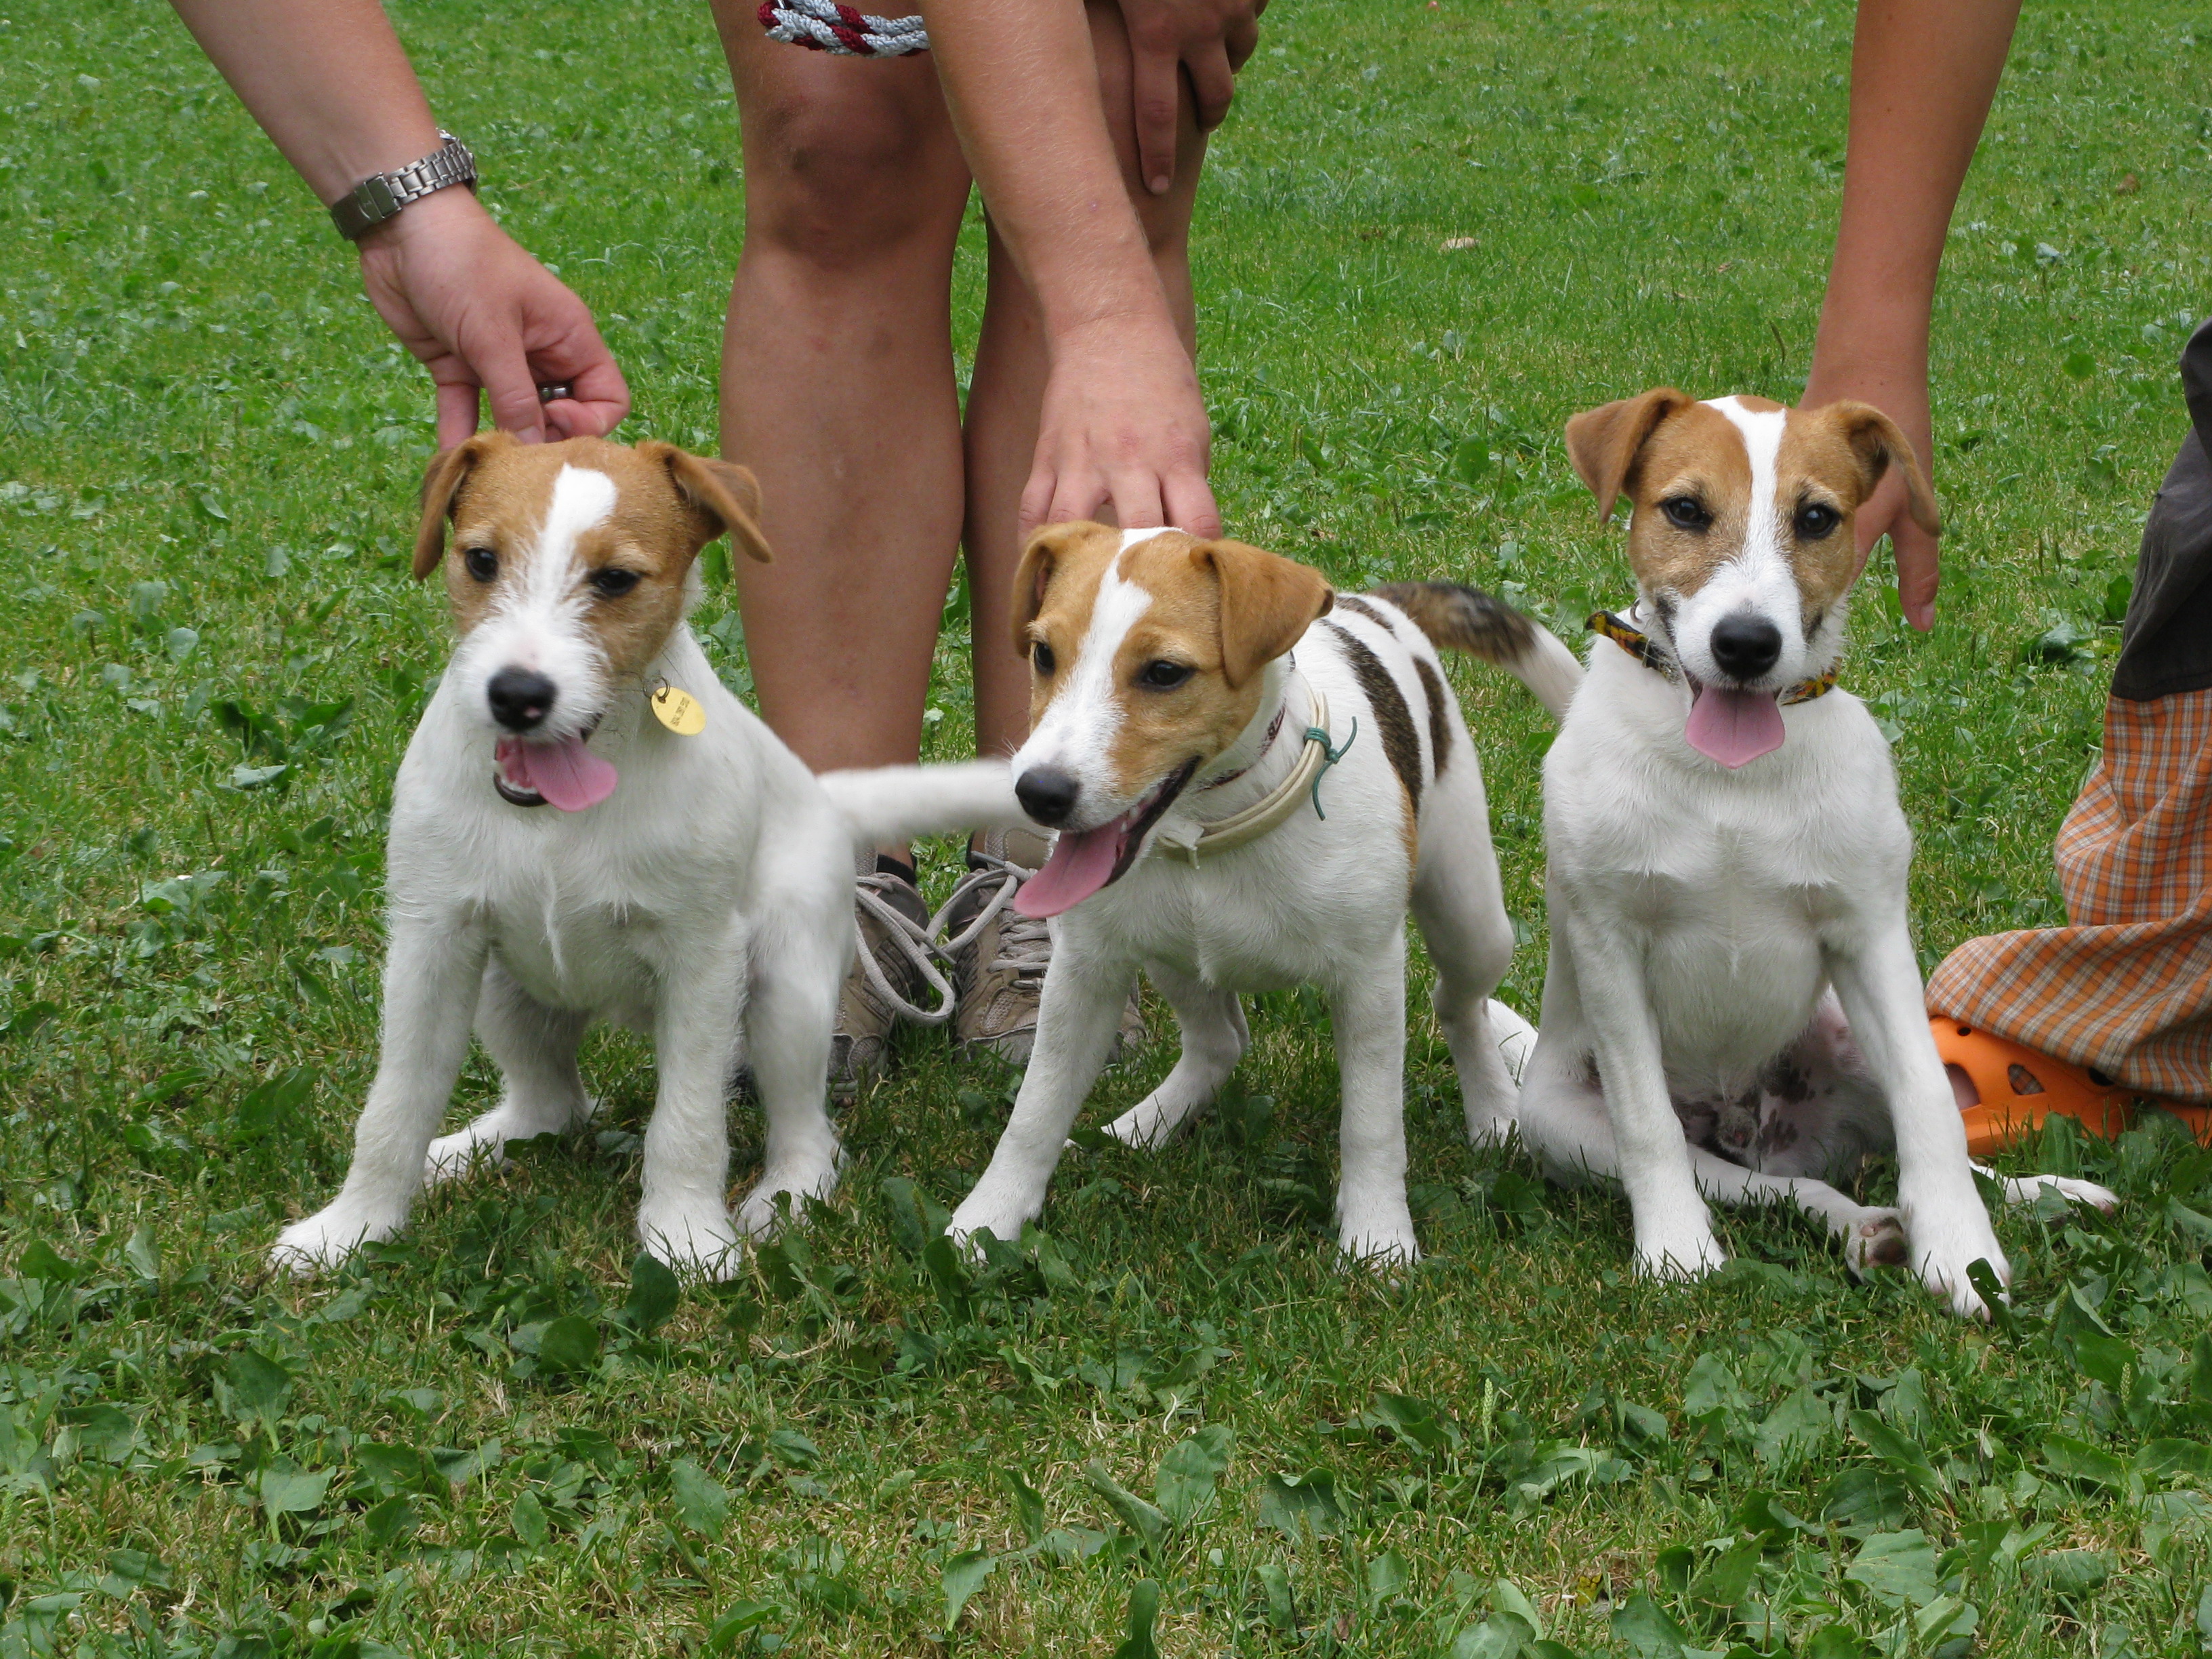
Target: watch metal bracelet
382, 195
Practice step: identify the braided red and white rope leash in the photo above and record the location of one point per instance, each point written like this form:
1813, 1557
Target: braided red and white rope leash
825, 26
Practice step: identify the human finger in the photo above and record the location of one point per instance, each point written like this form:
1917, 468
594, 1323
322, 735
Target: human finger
598, 400
509, 386
1078, 493
1189, 505
1036, 499
1241, 39
1137, 504
1919, 570
1156, 91
457, 411
1212, 83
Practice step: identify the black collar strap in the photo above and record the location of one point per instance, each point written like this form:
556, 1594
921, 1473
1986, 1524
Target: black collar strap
1647, 651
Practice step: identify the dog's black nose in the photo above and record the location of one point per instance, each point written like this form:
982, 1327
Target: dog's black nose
1048, 794
521, 698
1745, 645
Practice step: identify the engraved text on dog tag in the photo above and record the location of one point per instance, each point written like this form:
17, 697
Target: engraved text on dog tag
679, 711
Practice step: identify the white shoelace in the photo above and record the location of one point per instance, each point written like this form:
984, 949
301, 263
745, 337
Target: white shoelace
913, 943
1024, 942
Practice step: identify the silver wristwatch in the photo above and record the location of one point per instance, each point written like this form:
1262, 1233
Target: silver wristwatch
379, 197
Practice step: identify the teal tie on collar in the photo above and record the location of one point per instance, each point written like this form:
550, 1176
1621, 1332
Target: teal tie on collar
1330, 757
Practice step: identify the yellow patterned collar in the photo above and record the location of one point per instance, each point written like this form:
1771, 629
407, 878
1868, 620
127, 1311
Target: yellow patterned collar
1647, 651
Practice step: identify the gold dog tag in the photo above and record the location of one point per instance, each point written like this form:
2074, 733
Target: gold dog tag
679, 711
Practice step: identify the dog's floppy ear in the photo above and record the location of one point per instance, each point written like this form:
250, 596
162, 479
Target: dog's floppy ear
1880, 444
442, 484
1039, 559
1268, 602
1603, 442
721, 495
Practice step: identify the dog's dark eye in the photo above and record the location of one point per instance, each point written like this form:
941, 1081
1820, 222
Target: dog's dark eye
1040, 658
1816, 520
1161, 675
1686, 512
612, 581
480, 562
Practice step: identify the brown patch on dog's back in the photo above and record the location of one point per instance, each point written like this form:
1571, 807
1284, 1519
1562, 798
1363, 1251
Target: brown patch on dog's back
1394, 721
1432, 688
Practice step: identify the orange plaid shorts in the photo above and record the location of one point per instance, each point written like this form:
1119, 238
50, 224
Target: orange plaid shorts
2128, 987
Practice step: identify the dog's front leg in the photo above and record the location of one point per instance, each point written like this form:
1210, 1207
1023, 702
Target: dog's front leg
1674, 1228
1878, 981
799, 962
432, 974
1077, 1014
1367, 1008
683, 1217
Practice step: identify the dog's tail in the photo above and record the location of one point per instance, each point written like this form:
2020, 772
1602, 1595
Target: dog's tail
888, 804
1457, 618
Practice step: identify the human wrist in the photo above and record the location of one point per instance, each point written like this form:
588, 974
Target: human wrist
442, 215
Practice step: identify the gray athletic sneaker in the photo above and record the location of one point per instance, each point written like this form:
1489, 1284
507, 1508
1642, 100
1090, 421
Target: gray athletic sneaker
998, 955
894, 968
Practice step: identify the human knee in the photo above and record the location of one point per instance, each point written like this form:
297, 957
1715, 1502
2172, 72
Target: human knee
842, 185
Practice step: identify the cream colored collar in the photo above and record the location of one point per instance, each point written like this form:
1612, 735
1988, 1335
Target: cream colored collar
1300, 784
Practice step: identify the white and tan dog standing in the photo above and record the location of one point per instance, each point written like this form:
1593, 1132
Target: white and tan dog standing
566, 847
1733, 1008
1196, 708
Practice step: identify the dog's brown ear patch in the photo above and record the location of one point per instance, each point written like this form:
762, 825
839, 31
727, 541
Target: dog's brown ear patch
442, 486
1268, 602
1039, 559
1880, 444
1604, 442
722, 496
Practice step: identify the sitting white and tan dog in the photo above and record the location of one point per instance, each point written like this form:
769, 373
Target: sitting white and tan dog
587, 827
1732, 1008
1233, 818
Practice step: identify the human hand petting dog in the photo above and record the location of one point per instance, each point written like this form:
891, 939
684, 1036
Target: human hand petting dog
1122, 433
484, 317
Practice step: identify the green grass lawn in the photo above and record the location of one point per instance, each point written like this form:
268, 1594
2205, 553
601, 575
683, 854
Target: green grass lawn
492, 1439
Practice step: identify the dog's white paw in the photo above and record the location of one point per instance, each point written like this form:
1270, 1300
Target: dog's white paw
482, 1144
760, 1214
327, 1237
1153, 1121
692, 1239
1947, 1240
1003, 1212
1875, 1239
1683, 1254
2077, 1192
1376, 1235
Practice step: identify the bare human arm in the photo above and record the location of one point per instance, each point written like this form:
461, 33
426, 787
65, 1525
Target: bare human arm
1123, 426
1922, 74
330, 83
1210, 40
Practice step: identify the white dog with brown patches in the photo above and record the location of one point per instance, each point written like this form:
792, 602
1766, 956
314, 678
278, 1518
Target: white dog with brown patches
692, 880
1733, 1009
1237, 816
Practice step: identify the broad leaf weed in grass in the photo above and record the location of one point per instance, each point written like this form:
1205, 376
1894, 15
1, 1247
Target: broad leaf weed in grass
1166, 1425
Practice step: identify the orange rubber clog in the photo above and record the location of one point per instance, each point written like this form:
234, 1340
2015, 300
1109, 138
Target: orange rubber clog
2019, 1088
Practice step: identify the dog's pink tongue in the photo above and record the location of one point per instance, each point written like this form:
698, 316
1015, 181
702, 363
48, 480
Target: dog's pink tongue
1734, 727
567, 773
1081, 863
